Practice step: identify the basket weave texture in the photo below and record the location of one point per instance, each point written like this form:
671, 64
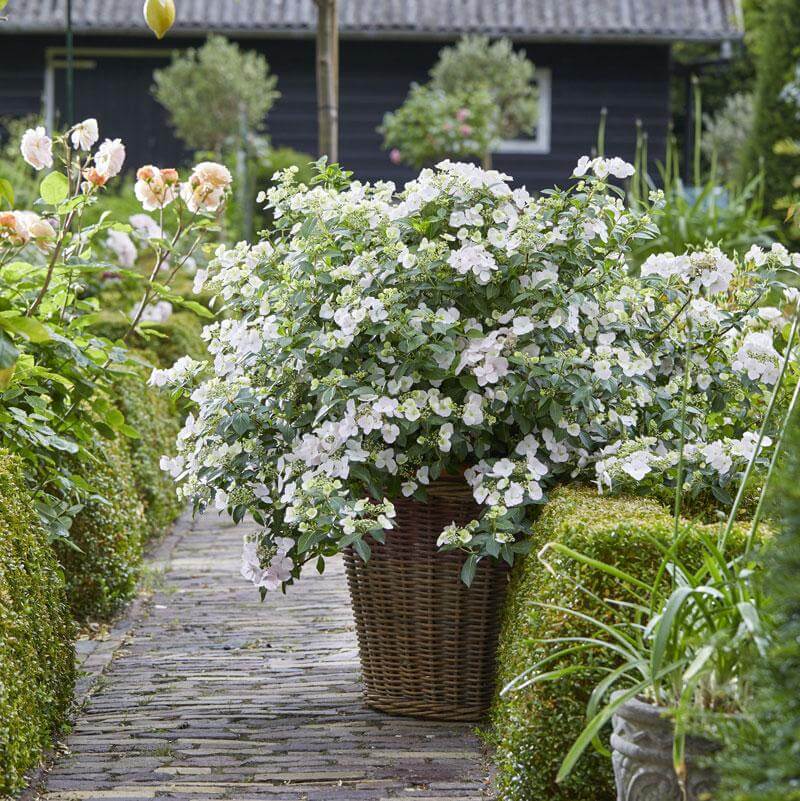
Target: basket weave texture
427, 642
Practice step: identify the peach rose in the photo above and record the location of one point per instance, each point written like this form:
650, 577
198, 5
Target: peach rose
13, 228
155, 188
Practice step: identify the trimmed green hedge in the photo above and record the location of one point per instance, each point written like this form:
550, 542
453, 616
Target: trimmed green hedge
533, 728
36, 657
109, 532
179, 336
157, 422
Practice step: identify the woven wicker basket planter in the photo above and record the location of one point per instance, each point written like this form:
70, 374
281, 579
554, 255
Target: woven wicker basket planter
427, 641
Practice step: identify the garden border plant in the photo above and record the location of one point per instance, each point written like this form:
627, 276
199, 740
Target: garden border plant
37, 671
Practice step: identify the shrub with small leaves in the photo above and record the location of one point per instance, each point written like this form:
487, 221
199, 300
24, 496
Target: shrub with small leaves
475, 62
433, 124
102, 571
214, 92
36, 656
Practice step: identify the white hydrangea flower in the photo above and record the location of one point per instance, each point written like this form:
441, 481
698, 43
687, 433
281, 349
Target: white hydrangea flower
758, 358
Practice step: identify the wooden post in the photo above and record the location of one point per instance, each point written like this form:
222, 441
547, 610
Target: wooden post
328, 78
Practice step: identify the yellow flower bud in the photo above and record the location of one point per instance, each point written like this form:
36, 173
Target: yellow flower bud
159, 16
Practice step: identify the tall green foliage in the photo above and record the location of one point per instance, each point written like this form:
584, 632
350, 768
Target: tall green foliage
776, 43
102, 570
762, 759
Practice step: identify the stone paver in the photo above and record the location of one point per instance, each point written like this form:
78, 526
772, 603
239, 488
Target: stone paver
211, 694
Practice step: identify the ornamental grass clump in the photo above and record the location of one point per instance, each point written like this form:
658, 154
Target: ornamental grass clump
378, 339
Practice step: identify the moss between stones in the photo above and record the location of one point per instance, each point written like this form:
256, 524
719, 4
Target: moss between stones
36, 630
109, 531
532, 729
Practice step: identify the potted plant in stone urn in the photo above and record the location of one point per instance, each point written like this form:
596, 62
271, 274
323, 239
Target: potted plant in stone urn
400, 376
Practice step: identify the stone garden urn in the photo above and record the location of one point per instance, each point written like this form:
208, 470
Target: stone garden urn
642, 757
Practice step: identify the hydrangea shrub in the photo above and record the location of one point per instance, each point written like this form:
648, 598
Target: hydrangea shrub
380, 339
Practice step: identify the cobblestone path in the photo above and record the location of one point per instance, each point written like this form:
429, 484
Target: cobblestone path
209, 694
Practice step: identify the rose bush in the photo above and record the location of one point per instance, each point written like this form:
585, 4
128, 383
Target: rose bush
57, 377
378, 340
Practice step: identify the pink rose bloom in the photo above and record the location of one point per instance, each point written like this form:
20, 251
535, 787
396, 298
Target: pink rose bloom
37, 148
155, 188
462, 115
207, 186
395, 156
109, 158
84, 134
465, 130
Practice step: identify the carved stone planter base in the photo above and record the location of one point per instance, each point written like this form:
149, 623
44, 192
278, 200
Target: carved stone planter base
642, 758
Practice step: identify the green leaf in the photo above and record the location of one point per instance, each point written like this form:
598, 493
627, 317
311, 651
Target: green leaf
362, 549
6, 374
54, 188
593, 729
8, 353
664, 626
29, 327
468, 569
197, 308
128, 431
6, 190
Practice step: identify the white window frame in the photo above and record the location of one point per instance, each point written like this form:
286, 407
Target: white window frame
541, 143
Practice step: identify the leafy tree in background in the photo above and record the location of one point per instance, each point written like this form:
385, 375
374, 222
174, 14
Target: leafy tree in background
725, 135
433, 124
480, 92
218, 97
216, 94
475, 62
776, 45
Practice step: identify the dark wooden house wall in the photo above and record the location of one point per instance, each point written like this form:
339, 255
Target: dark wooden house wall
631, 81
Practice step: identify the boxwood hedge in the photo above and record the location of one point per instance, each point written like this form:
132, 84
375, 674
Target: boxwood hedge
102, 570
532, 729
36, 630
157, 422
178, 336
